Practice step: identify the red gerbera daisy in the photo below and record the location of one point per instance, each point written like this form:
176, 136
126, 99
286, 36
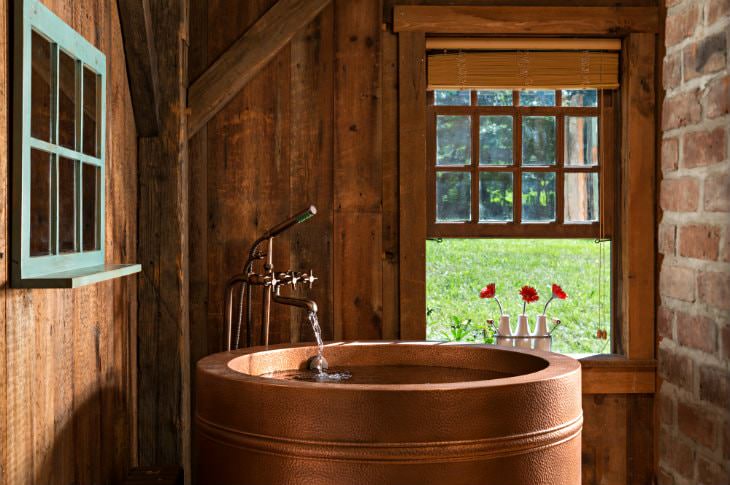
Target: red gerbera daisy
558, 292
529, 294
488, 291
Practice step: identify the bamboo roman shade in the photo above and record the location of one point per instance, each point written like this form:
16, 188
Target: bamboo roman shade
523, 70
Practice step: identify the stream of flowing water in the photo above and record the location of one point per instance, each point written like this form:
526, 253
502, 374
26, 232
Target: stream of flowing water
321, 375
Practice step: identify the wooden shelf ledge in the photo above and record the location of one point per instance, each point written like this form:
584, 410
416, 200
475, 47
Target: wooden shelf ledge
80, 277
615, 374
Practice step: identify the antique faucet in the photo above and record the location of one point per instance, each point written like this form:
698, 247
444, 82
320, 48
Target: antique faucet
270, 280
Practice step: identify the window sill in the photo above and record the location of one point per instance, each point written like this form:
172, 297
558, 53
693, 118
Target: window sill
79, 277
615, 374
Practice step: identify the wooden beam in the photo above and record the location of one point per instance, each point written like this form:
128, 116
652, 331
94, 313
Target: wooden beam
638, 195
523, 43
357, 172
412, 183
606, 375
141, 56
526, 20
164, 331
254, 49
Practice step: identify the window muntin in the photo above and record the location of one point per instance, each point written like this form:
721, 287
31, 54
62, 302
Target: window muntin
533, 160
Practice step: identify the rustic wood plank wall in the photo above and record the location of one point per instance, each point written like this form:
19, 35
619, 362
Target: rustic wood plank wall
67, 357
319, 125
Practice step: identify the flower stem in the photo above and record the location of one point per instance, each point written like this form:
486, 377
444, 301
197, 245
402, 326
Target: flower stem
500, 306
524, 307
546, 304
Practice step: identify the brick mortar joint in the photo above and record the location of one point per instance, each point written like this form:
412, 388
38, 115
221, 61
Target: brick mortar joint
698, 83
705, 124
703, 265
721, 317
699, 357
700, 217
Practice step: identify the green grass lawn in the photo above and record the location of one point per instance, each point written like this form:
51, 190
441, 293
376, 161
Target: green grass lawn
456, 269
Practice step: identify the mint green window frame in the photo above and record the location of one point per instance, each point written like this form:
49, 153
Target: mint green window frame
31, 16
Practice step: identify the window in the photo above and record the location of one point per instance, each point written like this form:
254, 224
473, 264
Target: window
518, 164
58, 150
524, 176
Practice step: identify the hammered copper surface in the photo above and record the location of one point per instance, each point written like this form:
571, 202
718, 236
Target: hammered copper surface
521, 429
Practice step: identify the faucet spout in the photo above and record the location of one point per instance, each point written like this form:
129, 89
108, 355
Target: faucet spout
305, 303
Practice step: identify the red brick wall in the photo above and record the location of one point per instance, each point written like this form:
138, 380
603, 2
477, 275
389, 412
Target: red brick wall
694, 239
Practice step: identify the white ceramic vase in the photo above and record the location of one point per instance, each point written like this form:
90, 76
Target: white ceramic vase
505, 330
541, 330
523, 330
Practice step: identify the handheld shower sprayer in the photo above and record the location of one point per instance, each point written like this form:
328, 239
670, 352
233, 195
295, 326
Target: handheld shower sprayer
297, 218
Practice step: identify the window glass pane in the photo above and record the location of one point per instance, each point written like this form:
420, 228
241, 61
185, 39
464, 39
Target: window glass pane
67, 205
537, 98
494, 98
495, 196
579, 97
66, 101
581, 140
90, 113
581, 197
40, 89
40, 203
495, 140
538, 196
451, 98
453, 140
90, 204
538, 140
456, 269
453, 196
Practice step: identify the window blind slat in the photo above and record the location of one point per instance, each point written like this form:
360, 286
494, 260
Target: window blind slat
523, 70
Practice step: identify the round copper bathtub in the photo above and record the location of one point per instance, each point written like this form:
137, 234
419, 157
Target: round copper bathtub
434, 414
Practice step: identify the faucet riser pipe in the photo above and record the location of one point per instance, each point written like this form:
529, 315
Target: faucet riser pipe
266, 317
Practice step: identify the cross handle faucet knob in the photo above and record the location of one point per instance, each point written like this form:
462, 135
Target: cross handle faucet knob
309, 278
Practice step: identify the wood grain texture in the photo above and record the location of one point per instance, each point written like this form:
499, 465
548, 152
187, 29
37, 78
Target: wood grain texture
640, 446
389, 4
243, 60
141, 56
357, 172
618, 376
163, 335
66, 356
572, 20
412, 183
389, 126
311, 155
202, 342
638, 196
4, 189
604, 439
243, 173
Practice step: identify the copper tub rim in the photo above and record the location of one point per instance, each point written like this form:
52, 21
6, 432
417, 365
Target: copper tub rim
558, 366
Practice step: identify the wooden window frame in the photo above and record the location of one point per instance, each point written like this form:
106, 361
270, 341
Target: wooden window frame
57, 270
517, 228
637, 28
